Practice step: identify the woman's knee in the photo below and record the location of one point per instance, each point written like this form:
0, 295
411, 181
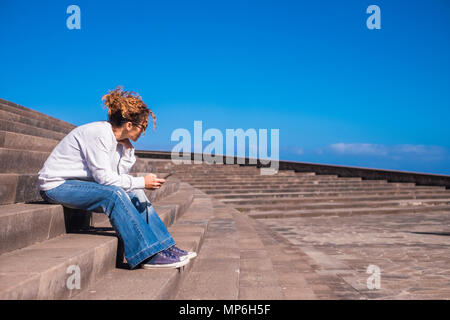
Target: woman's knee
139, 199
118, 192
138, 195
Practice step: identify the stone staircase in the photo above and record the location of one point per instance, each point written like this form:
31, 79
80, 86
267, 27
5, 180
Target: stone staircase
217, 210
242, 258
298, 194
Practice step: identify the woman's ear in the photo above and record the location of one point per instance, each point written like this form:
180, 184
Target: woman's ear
128, 126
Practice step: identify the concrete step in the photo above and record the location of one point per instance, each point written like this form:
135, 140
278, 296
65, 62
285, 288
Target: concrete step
322, 183
45, 124
204, 166
215, 271
24, 224
77, 220
12, 140
278, 180
316, 190
332, 199
148, 166
337, 184
238, 261
140, 284
18, 127
181, 200
291, 195
299, 276
171, 186
42, 270
30, 113
20, 161
230, 174
21, 187
336, 204
236, 180
16, 187
343, 187
169, 208
344, 212
293, 274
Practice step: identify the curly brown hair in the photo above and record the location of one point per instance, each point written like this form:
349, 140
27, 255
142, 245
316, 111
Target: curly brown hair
126, 106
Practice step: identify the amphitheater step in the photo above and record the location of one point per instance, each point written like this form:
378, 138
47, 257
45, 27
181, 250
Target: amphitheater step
343, 212
368, 205
298, 184
233, 178
44, 124
265, 185
289, 195
294, 182
317, 190
12, 140
332, 199
43, 270
237, 261
169, 206
139, 284
20, 161
300, 276
180, 200
24, 224
22, 128
238, 174
33, 114
215, 272
16, 187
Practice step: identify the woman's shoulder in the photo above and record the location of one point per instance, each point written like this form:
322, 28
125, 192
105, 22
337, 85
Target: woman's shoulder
96, 129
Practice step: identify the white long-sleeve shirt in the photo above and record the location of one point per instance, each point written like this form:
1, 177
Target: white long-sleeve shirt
90, 152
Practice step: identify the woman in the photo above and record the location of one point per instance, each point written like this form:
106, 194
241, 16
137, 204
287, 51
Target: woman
89, 170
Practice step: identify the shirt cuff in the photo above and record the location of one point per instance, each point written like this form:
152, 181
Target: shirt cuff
138, 182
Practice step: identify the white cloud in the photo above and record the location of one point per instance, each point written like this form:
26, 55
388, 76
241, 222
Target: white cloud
293, 150
418, 149
395, 152
359, 149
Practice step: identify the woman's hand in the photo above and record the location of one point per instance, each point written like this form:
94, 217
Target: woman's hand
126, 143
152, 182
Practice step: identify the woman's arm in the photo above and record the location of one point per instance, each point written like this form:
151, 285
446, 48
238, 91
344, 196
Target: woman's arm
128, 159
97, 156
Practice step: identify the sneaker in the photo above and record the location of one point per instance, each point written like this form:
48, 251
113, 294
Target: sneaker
182, 254
164, 259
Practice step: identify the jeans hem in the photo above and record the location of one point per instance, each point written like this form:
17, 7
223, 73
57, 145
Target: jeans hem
146, 253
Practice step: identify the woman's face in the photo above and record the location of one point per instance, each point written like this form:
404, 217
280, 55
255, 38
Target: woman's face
134, 130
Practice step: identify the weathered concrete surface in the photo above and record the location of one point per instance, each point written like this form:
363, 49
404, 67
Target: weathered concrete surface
411, 251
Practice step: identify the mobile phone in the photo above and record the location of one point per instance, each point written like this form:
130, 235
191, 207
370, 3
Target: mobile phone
169, 175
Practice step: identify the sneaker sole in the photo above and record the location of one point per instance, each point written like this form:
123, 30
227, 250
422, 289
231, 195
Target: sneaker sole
191, 255
166, 266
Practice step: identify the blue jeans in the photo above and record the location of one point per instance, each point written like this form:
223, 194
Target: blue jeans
131, 215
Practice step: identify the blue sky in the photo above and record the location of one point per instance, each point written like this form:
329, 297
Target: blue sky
338, 92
